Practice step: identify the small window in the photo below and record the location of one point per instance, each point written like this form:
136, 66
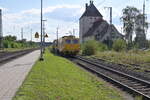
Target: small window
68, 41
75, 41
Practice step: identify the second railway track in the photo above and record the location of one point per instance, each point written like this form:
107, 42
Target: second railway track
7, 56
130, 83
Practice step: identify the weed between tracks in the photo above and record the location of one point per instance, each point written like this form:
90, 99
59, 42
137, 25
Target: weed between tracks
141, 58
59, 79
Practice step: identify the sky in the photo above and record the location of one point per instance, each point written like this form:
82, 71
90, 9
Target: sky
63, 14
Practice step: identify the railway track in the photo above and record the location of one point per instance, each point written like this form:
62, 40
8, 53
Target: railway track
136, 66
7, 56
127, 82
136, 71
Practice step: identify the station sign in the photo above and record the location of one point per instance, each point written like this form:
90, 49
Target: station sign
36, 35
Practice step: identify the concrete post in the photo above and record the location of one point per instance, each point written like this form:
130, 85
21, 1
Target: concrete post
1, 31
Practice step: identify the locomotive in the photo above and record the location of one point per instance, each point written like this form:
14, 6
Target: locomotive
67, 45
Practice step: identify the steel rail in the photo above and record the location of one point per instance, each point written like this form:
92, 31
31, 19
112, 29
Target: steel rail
134, 84
7, 56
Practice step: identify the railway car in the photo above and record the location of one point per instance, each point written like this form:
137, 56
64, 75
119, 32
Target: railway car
67, 45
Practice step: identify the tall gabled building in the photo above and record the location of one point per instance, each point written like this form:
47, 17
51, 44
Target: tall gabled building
93, 26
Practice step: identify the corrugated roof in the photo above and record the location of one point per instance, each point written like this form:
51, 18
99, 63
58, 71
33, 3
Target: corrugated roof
91, 10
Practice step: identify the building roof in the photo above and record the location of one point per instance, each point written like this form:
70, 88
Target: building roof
103, 31
115, 29
93, 28
91, 10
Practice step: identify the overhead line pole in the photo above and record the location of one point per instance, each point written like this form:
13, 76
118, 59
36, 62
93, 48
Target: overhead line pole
31, 35
1, 30
110, 15
144, 17
44, 34
57, 35
110, 9
22, 34
41, 44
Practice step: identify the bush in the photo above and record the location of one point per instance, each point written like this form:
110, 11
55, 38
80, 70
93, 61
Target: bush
89, 47
6, 44
102, 47
92, 47
119, 45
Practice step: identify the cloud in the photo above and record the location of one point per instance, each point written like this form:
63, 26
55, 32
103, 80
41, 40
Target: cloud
32, 11
64, 12
66, 16
50, 9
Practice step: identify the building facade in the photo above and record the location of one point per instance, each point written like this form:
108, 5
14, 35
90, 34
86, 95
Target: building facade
94, 27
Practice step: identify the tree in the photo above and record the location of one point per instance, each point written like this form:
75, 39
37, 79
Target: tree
12, 42
10, 38
128, 18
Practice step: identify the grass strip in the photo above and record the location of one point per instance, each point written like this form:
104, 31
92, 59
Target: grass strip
56, 78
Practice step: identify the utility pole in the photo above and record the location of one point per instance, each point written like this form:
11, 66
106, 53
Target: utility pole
111, 15
144, 17
41, 44
110, 9
57, 35
22, 34
109, 40
73, 32
44, 33
1, 32
31, 35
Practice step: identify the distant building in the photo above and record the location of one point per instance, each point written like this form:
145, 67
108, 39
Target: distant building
94, 27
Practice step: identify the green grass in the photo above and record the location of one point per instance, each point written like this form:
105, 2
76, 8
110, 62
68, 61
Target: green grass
141, 58
59, 79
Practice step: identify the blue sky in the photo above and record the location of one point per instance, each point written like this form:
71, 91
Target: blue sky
59, 13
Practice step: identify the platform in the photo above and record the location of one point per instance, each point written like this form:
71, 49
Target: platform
13, 73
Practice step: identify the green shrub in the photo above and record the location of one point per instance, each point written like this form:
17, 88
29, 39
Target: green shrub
89, 47
102, 47
92, 47
6, 44
119, 45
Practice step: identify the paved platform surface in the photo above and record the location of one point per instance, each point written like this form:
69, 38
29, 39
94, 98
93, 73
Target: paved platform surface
13, 74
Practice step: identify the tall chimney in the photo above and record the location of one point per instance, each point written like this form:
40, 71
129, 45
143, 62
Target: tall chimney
1, 32
86, 6
91, 2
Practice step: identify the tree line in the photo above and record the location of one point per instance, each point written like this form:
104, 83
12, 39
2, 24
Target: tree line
12, 42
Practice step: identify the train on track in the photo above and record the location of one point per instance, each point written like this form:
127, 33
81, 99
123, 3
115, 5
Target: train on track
66, 45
